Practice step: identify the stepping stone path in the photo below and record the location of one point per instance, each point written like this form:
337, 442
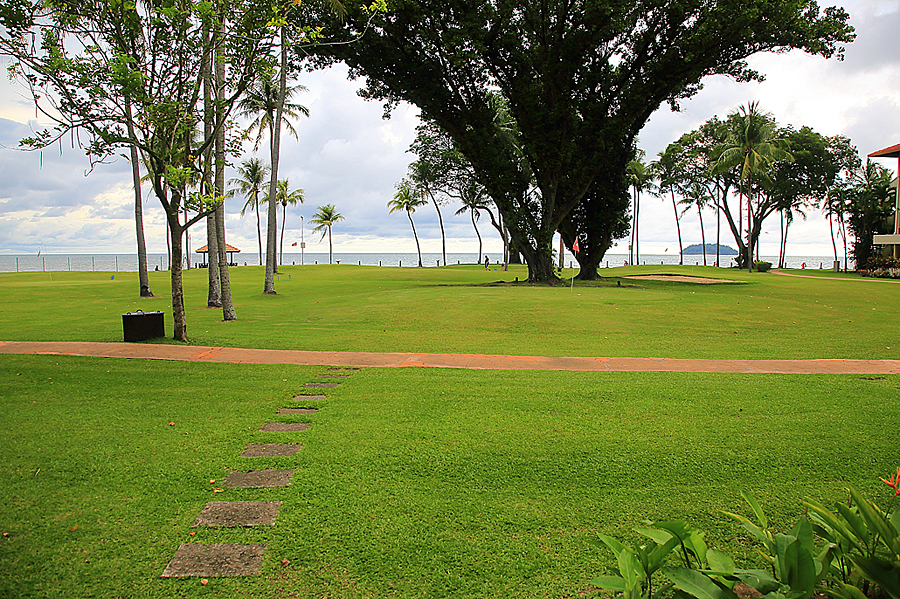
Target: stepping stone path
234, 559
218, 559
238, 513
271, 450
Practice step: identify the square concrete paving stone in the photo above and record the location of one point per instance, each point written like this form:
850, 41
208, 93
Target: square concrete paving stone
320, 385
309, 397
297, 411
343, 369
257, 479
217, 559
238, 513
271, 450
284, 427
332, 376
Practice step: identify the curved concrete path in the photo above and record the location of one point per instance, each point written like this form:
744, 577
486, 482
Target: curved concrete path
469, 361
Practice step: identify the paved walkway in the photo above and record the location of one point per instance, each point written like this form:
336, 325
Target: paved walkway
469, 361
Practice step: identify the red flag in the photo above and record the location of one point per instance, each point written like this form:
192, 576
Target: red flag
294, 244
575, 246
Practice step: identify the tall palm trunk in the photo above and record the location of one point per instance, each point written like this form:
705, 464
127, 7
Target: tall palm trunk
472, 213
258, 225
443, 237
228, 312
214, 289
275, 148
678, 227
281, 241
143, 277
330, 251
416, 237
702, 233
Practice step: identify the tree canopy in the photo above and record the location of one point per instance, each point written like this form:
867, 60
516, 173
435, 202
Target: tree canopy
581, 79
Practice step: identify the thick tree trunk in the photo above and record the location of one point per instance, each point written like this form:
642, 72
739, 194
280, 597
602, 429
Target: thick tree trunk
214, 289
178, 315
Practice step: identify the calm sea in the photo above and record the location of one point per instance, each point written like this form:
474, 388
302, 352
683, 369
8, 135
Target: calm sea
128, 262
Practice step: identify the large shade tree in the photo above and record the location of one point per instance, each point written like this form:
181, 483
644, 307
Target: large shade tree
581, 79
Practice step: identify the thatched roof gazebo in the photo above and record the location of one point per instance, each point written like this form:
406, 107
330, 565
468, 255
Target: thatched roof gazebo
229, 249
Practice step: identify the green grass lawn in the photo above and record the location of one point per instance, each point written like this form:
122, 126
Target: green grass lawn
427, 482
454, 309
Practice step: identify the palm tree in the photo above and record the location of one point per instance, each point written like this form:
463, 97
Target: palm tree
752, 145
268, 100
250, 180
639, 179
667, 170
286, 197
472, 197
324, 218
406, 199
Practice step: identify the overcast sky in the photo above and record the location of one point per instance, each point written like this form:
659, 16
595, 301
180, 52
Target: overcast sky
347, 155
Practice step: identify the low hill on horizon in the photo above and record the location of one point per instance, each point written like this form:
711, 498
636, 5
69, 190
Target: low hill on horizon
697, 249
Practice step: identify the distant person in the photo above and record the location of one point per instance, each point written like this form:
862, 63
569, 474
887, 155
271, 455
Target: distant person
803, 265
487, 263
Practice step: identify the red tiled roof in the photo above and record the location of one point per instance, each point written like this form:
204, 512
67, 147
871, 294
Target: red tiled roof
228, 248
891, 152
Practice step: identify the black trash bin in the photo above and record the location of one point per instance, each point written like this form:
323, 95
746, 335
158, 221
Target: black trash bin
140, 325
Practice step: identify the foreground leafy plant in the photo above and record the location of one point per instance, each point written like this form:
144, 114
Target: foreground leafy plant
861, 556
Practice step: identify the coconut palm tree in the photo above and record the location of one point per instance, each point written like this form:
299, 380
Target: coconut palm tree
286, 197
752, 146
472, 196
252, 176
640, 180
268, 101
324, 218
408, 200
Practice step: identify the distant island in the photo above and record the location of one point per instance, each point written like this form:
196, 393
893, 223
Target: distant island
697, 249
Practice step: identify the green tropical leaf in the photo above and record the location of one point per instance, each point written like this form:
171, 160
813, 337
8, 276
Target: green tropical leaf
610, 583
719, 561
696, 584
757, 510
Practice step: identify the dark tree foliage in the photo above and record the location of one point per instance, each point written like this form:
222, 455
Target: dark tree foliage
869, 204
581, 79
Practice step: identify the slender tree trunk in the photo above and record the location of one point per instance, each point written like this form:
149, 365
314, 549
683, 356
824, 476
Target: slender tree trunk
718, 227
443, 236
228, 312
637, 228
281, 241
258, 228
143, 277
416, 237
678, 227
275, 147
633, 228
472, 213
702, 233
330, 251
169, 244
187, 240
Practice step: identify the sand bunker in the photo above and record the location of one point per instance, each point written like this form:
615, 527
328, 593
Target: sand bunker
681, 279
